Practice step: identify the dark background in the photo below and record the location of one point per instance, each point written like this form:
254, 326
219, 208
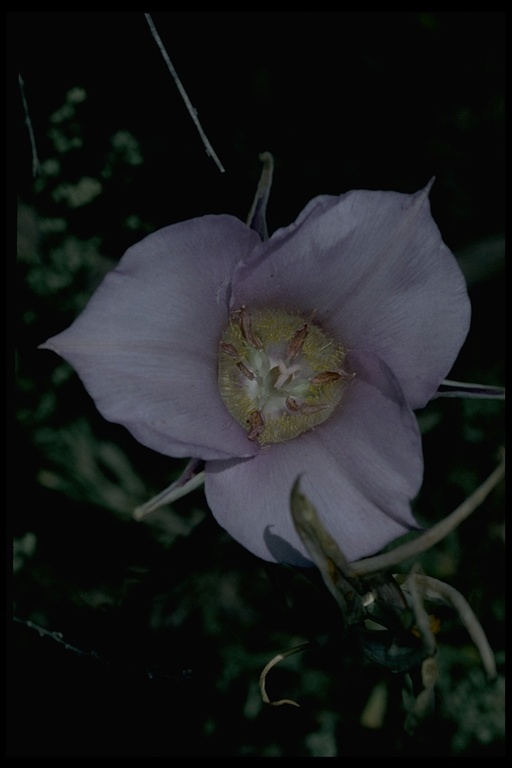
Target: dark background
166, 625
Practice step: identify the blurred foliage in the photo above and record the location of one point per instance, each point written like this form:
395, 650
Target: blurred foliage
153, 634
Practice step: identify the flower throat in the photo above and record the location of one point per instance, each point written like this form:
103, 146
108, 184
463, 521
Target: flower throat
279, 373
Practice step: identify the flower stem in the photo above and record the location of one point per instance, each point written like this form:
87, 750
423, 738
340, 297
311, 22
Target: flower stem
191, 110
434, 534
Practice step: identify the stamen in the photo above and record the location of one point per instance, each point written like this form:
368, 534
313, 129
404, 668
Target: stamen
230, 350
307, 409
256, 424
245, 370
293, 405
326, 377
296, 344
247, 332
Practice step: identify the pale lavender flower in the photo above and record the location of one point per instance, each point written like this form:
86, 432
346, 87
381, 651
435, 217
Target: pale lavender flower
303, 354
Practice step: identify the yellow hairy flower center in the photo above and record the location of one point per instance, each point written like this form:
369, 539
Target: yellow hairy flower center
280, 374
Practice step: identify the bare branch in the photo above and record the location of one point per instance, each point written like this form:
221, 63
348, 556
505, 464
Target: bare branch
57, 636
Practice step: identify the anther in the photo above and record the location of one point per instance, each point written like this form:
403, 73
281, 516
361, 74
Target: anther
297, 342
245, 370
247, 332
325, 378
256, 423
293, 405
230, 350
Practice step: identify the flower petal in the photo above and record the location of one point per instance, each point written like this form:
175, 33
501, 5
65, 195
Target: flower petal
360, 470
146, 344
375, 268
